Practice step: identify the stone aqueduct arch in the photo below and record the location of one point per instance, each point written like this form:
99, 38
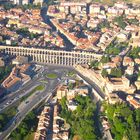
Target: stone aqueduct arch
52, 56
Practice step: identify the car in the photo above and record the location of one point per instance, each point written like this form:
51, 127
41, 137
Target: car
58, 79
7, 103
26, 102
16, 98
1, 107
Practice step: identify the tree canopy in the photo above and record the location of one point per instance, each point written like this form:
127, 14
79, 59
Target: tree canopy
105, 59
120, 21
134, 53
124, 121
81, 120
116, 72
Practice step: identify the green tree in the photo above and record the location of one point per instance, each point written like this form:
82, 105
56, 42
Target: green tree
137, 112
134, 53
8, 6
105, 59
123, 121
116, 72
133, 21
63, 103
110, 111
104, 24
104, 73
120, 21
113, 51
81, 120
94, 64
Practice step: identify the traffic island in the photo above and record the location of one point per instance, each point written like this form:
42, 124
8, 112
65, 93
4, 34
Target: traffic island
51, 75
38, 88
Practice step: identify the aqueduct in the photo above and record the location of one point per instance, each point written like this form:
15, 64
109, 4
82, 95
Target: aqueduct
52, 56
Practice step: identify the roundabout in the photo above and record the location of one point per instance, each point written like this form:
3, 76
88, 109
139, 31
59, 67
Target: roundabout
51, 75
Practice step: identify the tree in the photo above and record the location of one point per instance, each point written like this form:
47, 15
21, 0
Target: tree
110, 111
134, 53
27, 126
81, 120
104, 73
112, 51
63, 103
120, 21
123, 121
70, 85
8, 6
94, 64
119, 125
105, 59
137, 112
116, 72
104, 24
133, 21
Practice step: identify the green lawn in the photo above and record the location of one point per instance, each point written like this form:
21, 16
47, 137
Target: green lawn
51, 75
43, 81
36, 89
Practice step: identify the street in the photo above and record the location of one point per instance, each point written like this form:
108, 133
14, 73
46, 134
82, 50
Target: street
36, 98
26, 106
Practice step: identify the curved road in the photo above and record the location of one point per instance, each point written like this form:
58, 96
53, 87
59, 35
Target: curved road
35, 100
51, 85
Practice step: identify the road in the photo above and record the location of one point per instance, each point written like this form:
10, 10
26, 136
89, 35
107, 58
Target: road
14, 97
38, 97
35, 99
68, 45
93, 85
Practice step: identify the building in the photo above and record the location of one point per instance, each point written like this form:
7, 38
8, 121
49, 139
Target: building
134, 102
119, 84
18, 75
60, 131
128, 61
72, 105
25, 2
43, 124
137, 84
82, 90
2, 63
94, 8
17, 2
20, 60
36, 2
21, 2
62, 91
113, 98
71, 94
